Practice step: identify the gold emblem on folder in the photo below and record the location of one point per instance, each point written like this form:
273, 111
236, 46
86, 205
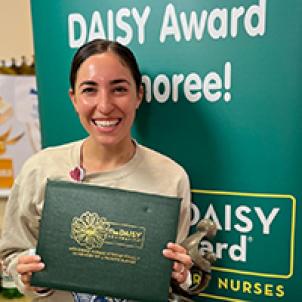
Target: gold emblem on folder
90, 230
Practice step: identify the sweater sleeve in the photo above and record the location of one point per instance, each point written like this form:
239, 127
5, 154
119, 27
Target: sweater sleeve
21, 224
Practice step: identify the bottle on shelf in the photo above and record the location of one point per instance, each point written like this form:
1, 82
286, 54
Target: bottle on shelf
9, 289
6, 68
24, 68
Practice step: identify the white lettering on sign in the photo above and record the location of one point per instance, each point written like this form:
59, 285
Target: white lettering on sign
128, 24
218, 23
82, 30
242, 219
242, 222
213, 86
236, 252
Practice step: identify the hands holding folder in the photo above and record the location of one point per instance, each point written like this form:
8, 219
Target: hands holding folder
27, 264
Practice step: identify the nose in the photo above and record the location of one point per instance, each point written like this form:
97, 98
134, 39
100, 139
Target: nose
104, 102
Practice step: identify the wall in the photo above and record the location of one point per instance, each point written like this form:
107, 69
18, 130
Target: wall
16, 40
15, 29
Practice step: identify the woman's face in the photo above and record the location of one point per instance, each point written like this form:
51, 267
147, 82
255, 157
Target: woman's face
105, 98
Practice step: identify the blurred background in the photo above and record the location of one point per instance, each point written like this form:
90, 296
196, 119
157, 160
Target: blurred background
16, 66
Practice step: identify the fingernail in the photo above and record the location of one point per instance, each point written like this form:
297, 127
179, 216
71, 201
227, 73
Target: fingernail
41, 265
165, 251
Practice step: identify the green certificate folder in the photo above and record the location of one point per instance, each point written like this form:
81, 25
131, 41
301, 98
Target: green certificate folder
106, 241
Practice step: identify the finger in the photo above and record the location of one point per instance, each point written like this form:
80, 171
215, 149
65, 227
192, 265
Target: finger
28, 259
176, 247
30, 267
26, 281
180, 257
25, 278
178, 267
180, 249
180, 277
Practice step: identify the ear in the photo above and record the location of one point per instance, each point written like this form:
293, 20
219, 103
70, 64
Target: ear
140, 96
73, 99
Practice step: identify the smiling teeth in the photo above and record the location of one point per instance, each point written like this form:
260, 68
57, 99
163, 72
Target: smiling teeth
106, 123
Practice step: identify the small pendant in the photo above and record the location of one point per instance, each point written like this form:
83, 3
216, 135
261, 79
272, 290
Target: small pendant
77, 174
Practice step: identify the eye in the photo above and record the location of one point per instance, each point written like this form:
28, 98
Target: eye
120, 89
88, 90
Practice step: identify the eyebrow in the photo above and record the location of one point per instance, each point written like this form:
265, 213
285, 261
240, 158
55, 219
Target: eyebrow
116, 81
92, 83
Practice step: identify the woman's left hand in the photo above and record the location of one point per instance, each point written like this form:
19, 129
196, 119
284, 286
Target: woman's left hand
182, 261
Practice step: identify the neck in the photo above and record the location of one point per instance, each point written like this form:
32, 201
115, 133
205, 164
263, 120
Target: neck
100, 158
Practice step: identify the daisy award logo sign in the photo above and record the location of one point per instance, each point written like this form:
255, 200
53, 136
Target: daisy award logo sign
252, 229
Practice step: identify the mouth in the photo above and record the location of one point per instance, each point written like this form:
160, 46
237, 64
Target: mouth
107, 124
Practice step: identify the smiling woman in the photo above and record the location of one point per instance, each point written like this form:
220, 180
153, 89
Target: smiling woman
105, 98
106, 90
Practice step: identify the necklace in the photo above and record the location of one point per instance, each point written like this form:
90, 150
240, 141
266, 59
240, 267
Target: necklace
79, 173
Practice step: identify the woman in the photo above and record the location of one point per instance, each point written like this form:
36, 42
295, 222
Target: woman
106, 91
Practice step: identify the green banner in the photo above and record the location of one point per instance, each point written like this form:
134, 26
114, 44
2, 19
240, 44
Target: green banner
222, 82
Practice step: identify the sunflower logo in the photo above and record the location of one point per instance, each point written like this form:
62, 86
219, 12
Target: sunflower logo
90, 230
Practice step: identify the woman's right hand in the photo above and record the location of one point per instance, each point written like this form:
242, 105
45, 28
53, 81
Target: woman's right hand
27, 264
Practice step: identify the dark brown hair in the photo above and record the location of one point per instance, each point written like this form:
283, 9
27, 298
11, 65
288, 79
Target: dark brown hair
100, 46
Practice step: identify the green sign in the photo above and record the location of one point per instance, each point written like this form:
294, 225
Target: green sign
250, 225
223, 96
